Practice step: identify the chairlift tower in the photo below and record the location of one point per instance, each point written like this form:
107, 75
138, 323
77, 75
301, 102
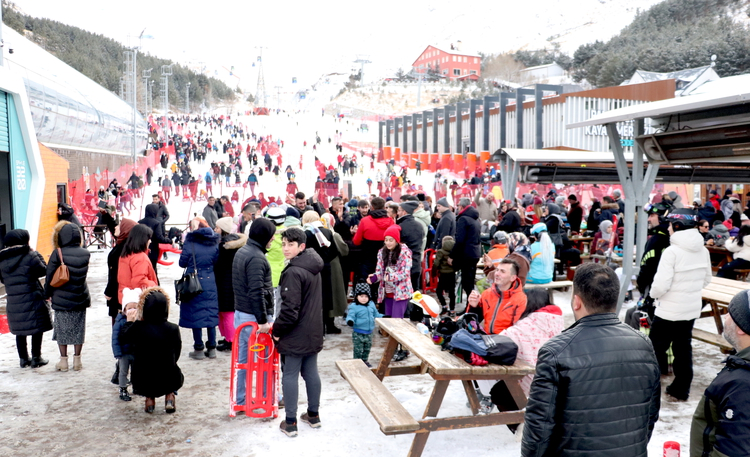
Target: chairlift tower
260, 90
362, 60
166, 72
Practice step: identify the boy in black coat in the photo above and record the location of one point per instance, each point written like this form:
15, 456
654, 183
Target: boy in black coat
298, 331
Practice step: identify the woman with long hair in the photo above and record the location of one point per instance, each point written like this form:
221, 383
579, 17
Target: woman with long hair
113, 262
542, 256
134, 269
740, 246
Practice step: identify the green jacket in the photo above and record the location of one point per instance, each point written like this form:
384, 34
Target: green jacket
275, 257
441, 258
721, 423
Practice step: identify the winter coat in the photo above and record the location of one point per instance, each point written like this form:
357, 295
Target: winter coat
538, 273
299, 326
468, 245
608, 211
210, 215
156, 349
135, 272
684, 270
440, 264
370, 235
727, 208
530, 334
721, 425
446, 227
327, 254
228, 247
338, 288
412, 235
74, 294
575, 216
423, 217
203, 310
163, 213
487, 209
500, 310
275, 255
740, 252
708, 213
152, 221
20, 270
362, 317
398, 275
655, 246
596, 373
68, 214
251, 281
119, 349
720, 234
511, 222
111, 289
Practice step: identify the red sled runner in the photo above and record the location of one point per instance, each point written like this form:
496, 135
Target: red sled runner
261, 375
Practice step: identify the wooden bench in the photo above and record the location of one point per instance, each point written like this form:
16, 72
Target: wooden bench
712, 338
390, 415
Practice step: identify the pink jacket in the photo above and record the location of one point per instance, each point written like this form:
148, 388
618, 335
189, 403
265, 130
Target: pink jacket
530, 334
400, 275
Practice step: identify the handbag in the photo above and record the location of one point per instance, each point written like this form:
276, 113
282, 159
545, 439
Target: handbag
189, 286
62, 274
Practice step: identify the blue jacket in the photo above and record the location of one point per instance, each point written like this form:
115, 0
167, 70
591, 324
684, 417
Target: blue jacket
120, 349
363, 316
203, 310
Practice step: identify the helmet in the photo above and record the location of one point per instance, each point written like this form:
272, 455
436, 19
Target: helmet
682, 218
276, 214
661, 209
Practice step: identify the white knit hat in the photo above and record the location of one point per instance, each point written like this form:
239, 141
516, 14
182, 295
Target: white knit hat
130, 296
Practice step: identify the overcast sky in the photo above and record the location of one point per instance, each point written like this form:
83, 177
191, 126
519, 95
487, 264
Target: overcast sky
305, 39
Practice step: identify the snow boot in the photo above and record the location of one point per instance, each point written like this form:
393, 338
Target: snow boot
77, 363
62, 365
37, 362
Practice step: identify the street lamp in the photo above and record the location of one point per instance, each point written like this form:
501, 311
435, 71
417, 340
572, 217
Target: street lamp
187, 99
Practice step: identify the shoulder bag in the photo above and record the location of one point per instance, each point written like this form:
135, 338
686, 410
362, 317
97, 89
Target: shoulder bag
62, 274
189, 286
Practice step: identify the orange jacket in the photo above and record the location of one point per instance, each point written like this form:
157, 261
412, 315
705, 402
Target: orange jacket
135, 271
500, 312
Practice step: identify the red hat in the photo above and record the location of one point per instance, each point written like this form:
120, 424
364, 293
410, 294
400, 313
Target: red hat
394, 231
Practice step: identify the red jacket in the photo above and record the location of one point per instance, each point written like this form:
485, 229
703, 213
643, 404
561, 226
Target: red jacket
135, 271
501, 312
372, 229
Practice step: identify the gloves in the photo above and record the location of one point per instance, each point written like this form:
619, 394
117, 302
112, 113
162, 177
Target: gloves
350, 323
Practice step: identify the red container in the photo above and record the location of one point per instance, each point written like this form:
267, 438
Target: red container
671, 449
386, 153
433, 161
4, 324
397, 154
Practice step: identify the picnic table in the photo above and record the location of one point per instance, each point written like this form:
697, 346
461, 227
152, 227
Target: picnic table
581, 243
717, 294
443, 367
720, 256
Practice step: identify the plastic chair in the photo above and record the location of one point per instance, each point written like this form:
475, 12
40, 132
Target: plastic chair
261, 375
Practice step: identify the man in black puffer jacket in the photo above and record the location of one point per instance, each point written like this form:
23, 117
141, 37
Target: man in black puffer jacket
596, 389
253, 289
152, 221
467, 250
412, 234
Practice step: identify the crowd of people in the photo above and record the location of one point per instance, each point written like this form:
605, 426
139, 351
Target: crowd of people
293, 264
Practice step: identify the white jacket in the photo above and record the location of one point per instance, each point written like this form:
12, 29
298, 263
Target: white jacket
740, 252
684, 270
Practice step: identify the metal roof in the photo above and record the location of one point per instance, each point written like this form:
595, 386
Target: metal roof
690, 103
557, 155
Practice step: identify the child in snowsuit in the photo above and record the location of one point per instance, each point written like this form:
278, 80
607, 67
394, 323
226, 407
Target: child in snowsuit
447, 274
361, 316
124, 352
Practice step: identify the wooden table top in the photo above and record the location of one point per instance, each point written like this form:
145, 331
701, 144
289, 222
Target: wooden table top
442, 363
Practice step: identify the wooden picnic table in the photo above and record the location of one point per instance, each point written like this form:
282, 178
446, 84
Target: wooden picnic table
720, 255
581, 242
717, 294
443, 367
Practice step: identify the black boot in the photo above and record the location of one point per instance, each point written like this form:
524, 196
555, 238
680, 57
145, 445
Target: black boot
37, 362
124, 395
25, 362
116, 377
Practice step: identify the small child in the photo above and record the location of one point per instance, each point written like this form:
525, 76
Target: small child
393, 272
124, 352
361, 316
447, 274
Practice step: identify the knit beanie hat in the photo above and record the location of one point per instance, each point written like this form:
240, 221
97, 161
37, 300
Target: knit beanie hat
262, 231
394, 231
739, 309
292, 211
362, 289
443, 202
226, 224
131, 295
409, 206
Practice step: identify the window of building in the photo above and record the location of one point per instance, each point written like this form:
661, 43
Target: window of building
456, 72
473, 72
454, 58
476, 60
465, 60
445, 72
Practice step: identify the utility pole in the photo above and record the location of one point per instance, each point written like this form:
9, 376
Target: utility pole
130, 92
166, 72
187, 98
260, 90
150, 88
362, 60
146, 77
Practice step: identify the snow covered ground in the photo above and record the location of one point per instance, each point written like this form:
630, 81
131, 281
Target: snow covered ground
43, 412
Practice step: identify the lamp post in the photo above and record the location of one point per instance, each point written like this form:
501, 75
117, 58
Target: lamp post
187, 98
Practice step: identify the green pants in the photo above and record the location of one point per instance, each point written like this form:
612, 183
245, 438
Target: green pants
362, 344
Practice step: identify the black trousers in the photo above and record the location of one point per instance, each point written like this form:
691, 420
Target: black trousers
468, 275
678, 334
727, 271
416, 280
36, 345
447, 283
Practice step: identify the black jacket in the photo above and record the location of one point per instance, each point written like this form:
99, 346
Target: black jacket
152, 221
73, 295
20, 270
655, 246
596, 392
251, 280
228, 248
299, 326
511, 222
446, 227
412, 234
575, 216
163, 213
112, 287
467, 236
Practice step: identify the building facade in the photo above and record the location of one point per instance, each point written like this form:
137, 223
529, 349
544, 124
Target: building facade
452, 64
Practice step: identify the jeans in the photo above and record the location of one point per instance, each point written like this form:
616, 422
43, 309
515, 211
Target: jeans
727, 271
124, 364
239, 319
294, 366
679, 334
198, 338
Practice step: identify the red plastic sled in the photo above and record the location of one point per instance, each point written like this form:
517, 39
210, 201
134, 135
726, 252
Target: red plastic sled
262, 375
166, 248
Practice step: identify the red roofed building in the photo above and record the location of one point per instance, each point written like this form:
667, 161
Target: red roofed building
452, 63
